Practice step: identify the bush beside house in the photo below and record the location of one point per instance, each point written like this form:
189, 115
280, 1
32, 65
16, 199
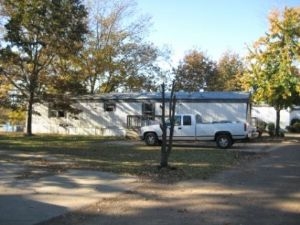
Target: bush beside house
294, 126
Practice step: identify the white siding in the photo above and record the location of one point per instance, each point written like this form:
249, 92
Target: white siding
93, 120
295, 114
268, 115
42, 124
212, 111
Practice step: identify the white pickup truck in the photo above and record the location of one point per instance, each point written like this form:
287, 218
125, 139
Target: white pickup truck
191, 128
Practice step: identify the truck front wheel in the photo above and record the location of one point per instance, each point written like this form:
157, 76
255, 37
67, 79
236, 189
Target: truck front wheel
151, 139
224, 141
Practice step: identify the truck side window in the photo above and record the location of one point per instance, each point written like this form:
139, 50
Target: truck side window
198, 119
187, 120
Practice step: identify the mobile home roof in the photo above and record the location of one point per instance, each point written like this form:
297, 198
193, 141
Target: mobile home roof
181, 96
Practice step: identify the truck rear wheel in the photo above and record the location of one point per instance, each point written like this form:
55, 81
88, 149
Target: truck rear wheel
151, 139
224, 141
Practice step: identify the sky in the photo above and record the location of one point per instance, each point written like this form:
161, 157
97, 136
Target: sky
211, 26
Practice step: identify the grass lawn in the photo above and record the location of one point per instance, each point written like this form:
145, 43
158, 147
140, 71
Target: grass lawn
120, 156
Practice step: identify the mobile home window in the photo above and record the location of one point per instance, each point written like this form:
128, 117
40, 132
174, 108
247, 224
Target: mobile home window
61, 113
53, 112
56, 113
148, 109
109, 107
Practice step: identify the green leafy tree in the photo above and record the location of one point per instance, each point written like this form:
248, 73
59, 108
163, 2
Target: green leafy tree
230, 69
273, 61
5, 87
3, 115
11, 109
196, 72
66, 82
116, 56
16, 117
39, 33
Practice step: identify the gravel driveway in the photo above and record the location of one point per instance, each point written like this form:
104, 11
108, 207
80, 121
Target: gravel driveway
265, 191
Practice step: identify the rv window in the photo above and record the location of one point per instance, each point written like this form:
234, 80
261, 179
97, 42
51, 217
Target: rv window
187, 120
109, 107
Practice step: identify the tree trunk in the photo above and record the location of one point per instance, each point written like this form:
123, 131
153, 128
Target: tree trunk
164, 154
277, 127
29, 115
164, 158
167, 148
172, 107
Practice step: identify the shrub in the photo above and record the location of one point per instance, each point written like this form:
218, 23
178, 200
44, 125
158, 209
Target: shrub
271, 129
294, 120
295, 127
261, 125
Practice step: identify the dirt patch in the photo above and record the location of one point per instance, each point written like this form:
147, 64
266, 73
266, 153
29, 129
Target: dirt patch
165, 201
36, 172
151, 203
122, 142
263, 191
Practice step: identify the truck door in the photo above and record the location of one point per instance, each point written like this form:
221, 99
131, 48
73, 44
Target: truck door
184, 128
188, 128
177, 128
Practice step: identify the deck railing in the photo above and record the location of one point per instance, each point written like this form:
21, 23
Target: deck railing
137, 121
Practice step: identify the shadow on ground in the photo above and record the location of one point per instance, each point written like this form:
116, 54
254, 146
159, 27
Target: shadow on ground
265, 191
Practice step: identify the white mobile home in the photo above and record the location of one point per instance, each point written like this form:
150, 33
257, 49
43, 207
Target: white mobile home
114, 114
295, 113
268, 114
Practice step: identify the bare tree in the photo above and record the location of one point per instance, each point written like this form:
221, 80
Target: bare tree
116, 54
167, 140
